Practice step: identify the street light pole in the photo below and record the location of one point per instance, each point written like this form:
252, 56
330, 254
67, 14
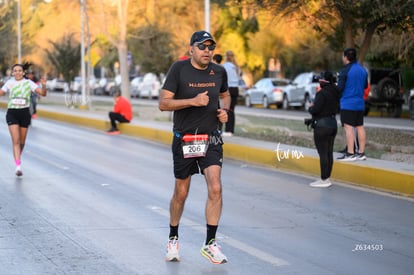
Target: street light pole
83, 69
19, 34
207, 14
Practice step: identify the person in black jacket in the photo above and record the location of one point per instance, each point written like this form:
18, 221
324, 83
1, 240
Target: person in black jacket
323, 112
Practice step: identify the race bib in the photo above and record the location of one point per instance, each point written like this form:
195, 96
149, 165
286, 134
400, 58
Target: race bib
195, 145
19, 101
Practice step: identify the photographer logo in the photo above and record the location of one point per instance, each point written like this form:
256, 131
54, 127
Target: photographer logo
288, 153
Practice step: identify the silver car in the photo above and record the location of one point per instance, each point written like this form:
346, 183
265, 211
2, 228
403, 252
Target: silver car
135, 84
267, 91
302, 91
150, 86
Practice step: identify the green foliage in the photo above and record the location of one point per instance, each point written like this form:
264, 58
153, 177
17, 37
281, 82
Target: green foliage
303, 34
343, 22
237, 23
250, 25
110, 57
390, 50
65, 57
8, 37
382, 59
153, 49
408, 79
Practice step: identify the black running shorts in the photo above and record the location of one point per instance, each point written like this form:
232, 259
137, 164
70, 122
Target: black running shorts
353, 118
21, 117
185, 167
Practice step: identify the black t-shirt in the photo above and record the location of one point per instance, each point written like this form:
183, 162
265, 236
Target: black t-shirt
185, 81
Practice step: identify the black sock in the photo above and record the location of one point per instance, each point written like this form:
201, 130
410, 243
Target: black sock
211, 233
173, 231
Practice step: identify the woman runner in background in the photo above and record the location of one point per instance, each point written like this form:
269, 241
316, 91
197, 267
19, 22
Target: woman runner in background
18, 115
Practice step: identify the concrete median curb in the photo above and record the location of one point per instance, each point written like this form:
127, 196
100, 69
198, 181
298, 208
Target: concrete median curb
356, 173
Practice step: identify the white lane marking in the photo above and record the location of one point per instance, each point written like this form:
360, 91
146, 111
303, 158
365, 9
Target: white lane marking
226, 239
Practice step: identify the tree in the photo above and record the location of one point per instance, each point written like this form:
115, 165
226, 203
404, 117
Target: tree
297, 33
116, 33
235, 26
154, 49
65, 57
8, 36
160, 33
349, 23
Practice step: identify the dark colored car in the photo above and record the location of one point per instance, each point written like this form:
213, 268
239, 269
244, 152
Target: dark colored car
386, 91
411, 103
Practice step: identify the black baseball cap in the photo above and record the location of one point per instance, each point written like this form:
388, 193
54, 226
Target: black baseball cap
200, 37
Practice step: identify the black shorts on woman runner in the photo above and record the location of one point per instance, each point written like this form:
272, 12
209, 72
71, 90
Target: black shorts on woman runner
21, 117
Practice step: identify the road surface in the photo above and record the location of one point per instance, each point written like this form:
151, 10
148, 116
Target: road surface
89, 203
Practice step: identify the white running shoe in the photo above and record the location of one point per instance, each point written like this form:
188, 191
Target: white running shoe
172, 250
361, 156
227, 134
347, 157
321, 183
19, 172
213, 253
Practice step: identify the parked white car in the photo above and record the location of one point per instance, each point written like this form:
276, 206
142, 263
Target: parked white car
57, 85
106, 86
302, 90
113, 85
76, 84
242, 89
267, 92
100, 85
150, 86
135, 84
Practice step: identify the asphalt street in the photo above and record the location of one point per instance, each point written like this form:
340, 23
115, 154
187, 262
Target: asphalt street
89, 203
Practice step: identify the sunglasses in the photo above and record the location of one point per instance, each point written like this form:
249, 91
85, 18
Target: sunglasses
202, 47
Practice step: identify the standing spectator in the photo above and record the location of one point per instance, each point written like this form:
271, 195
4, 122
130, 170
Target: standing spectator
323, 112
353, 79
122, 113
356, 143
18, 115
192, 90
217, 58
233, 77
33, 97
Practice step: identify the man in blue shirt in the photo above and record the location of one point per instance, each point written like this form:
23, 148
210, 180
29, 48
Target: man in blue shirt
352, 81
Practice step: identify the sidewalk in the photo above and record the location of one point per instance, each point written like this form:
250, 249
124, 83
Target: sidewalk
394, 177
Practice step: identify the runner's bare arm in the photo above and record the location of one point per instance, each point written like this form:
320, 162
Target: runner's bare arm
222, 113
42, 90
167, 102
225, 99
